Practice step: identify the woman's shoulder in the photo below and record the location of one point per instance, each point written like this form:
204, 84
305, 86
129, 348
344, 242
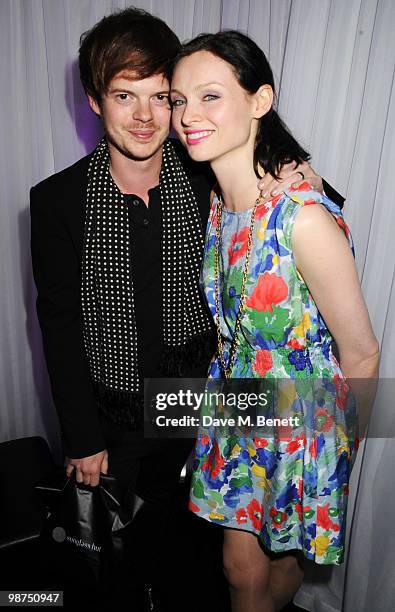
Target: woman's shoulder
294, 200
305, 195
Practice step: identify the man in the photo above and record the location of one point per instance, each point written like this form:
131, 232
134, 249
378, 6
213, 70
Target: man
116, 245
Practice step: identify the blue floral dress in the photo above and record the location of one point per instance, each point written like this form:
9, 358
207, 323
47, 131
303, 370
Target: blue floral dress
289, 488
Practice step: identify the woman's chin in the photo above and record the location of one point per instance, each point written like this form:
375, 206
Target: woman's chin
198, 155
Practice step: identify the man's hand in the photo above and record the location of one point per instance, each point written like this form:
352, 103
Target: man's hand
88, 468
290, 176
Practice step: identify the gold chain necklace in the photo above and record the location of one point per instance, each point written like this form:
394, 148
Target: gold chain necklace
227, 369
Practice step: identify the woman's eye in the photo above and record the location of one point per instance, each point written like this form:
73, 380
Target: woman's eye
210, 97
177, 102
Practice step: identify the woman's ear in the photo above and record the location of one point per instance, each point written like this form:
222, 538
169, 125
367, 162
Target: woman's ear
263, 101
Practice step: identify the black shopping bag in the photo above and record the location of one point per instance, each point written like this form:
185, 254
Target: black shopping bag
85, 525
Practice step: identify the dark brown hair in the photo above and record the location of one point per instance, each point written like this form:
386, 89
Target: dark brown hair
132, 40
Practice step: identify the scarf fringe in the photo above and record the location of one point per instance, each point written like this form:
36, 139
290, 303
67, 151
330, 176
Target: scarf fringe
121, 407
197, 349
126, 408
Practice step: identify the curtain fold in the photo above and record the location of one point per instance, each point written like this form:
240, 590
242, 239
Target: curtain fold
334, 64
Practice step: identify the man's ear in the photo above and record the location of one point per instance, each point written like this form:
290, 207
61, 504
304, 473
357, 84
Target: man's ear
263, 101
94, 105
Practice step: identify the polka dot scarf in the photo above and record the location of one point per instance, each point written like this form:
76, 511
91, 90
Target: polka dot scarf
109, 324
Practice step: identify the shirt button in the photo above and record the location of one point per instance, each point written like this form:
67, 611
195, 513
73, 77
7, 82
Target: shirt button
145, 222
136, 202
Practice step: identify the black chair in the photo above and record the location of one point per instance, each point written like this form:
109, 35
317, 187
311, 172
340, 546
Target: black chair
23, 462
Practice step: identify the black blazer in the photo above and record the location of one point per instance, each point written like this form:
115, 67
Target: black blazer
57, 223
57, 207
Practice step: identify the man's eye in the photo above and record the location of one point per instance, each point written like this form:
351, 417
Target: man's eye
162, 98
123, 96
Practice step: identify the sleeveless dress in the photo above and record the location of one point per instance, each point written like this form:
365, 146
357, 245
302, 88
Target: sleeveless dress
290, 490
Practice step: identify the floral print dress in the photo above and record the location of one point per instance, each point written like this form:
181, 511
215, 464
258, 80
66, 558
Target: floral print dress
288, 488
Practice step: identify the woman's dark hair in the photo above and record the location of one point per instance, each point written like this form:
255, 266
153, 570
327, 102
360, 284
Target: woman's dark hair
127, 40
274, 144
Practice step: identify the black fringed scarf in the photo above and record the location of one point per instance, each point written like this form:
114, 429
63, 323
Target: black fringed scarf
109, 323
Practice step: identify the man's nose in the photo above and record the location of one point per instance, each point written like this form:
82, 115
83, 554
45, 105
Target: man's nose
142, 112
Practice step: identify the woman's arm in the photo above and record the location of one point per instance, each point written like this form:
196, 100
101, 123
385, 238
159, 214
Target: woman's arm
325, 261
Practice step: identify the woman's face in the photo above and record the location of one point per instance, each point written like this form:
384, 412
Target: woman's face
212, 114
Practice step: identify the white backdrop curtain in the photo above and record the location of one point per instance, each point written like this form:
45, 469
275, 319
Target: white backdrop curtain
334, 64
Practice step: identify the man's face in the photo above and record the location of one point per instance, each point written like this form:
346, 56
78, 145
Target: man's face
135, 114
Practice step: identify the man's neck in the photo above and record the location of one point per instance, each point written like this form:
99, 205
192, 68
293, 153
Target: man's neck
135, 176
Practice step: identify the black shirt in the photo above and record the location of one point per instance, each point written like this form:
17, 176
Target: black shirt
146, 251
146, 248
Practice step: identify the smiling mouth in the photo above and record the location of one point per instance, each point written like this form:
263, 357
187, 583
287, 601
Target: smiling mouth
142, 134
196, 137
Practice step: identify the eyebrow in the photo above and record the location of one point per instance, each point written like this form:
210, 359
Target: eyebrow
127, 90
211, 83
200, 86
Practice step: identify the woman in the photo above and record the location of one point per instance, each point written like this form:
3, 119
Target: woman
281, 282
